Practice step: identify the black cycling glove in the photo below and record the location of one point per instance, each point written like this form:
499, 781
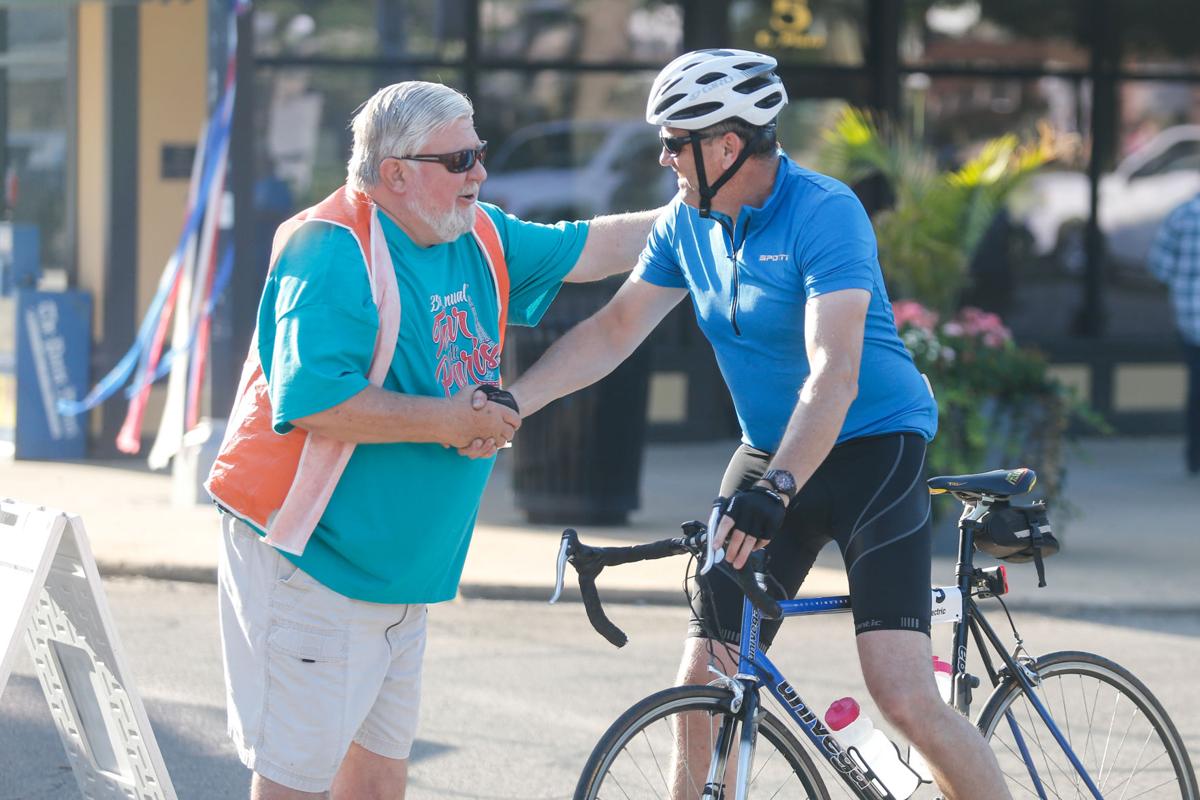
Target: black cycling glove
497, 395
756, 512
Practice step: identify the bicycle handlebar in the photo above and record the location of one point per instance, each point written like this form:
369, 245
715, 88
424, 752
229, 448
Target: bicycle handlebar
589, 561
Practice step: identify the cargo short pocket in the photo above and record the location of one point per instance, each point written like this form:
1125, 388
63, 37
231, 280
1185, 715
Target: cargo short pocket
304, 719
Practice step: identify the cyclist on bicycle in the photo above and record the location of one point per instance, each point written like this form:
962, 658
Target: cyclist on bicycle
781, 266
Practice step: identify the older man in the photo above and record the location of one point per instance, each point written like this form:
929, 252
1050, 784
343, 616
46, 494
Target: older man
345, 506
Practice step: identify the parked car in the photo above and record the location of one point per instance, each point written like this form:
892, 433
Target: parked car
573, 169
1134, 199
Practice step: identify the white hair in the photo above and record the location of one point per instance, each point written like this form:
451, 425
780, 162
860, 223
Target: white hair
397, 121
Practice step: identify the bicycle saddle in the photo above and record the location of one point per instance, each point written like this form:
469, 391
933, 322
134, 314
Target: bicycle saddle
996, 483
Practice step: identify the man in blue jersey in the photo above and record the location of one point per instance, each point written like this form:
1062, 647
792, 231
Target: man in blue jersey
384, 307
781, 266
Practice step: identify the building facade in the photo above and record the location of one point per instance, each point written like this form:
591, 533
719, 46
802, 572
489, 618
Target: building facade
102, 104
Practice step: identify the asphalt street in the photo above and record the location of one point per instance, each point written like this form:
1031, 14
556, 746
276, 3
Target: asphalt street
516, 693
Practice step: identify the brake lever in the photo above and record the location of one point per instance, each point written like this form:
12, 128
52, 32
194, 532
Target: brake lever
588, 563
713, 555
569, 539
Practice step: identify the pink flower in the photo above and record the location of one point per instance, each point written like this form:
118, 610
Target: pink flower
910, 312
988, 326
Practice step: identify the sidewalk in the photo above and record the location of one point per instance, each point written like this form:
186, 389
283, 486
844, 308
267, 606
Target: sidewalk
1134, 540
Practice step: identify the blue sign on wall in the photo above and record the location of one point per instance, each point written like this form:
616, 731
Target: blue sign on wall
52, 336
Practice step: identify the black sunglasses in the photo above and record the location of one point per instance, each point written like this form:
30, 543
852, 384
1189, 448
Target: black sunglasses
675, 144
458, 161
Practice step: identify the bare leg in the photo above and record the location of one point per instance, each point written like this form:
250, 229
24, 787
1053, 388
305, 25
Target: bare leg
694, 734
364, 775
896, 668
264, 789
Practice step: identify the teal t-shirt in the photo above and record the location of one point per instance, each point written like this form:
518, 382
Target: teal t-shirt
399, 522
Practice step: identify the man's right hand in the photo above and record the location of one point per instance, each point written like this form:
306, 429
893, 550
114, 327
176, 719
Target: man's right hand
481, 424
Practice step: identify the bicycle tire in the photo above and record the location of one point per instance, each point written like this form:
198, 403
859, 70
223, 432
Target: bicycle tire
1117, 728
628, 750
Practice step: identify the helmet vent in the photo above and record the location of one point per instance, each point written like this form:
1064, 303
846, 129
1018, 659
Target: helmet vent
698, 110
746, 65
668, 102
770, 101
752, 85
710, 77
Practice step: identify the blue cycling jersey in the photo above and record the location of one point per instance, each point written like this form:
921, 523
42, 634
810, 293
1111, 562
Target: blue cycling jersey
750, 285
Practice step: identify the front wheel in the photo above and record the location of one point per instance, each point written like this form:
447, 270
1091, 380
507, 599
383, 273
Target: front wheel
1117, 729
665, 746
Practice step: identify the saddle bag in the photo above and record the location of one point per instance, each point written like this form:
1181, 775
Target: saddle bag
1018, 534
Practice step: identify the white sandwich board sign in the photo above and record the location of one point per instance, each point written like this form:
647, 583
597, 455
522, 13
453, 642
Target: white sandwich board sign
51, 597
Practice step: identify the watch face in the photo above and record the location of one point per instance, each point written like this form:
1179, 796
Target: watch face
782, 480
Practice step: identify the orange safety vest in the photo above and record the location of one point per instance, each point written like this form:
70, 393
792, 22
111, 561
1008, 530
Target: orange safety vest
281, 484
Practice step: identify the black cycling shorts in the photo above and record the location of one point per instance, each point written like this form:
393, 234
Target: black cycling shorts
869, 495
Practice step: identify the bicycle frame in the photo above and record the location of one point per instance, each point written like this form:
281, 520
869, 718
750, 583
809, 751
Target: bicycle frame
755, 669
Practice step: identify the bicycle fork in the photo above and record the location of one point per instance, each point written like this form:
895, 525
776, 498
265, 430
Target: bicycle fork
745, 734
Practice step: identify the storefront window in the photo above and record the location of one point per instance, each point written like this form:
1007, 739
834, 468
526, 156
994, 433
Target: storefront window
1159, 35
802, 124
303, 136
1029, 268
570, 146
1158, 169
581, 30
360, 28
802, 31
33, 71
1027, 33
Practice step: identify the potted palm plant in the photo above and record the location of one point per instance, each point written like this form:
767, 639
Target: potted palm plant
996, 401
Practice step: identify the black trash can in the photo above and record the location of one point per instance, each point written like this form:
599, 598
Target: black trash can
578, 461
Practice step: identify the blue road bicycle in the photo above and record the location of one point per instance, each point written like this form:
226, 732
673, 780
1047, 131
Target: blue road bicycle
1063, 725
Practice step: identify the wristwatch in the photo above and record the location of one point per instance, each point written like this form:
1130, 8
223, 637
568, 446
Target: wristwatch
783, 482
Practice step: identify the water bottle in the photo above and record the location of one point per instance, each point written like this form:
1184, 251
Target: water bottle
851, 728
941, 676
942, 672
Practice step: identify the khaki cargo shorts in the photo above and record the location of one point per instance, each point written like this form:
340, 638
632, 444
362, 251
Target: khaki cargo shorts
308, 670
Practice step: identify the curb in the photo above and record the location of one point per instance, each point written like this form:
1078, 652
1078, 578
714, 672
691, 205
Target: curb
474, 590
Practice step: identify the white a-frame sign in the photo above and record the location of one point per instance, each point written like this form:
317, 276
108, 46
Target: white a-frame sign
50, 595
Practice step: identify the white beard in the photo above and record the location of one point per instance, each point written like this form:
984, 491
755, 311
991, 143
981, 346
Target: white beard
446, 227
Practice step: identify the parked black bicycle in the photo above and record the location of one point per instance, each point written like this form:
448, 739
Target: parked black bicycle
1062, 725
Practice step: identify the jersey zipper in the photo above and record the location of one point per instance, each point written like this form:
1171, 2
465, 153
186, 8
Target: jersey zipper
733, 255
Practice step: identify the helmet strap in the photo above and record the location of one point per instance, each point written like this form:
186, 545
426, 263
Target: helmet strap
707, 193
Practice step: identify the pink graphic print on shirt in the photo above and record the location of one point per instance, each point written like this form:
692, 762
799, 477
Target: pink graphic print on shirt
466, 355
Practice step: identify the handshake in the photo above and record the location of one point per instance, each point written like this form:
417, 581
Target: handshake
489, 422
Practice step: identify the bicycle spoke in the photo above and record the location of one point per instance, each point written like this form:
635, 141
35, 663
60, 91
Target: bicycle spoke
622, 788
637, 764
763, 766
1068, 732
657, 765
1167, 782
1108, 741
1134, 770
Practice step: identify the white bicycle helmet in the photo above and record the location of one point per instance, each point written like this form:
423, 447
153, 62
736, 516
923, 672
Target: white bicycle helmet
704, 87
